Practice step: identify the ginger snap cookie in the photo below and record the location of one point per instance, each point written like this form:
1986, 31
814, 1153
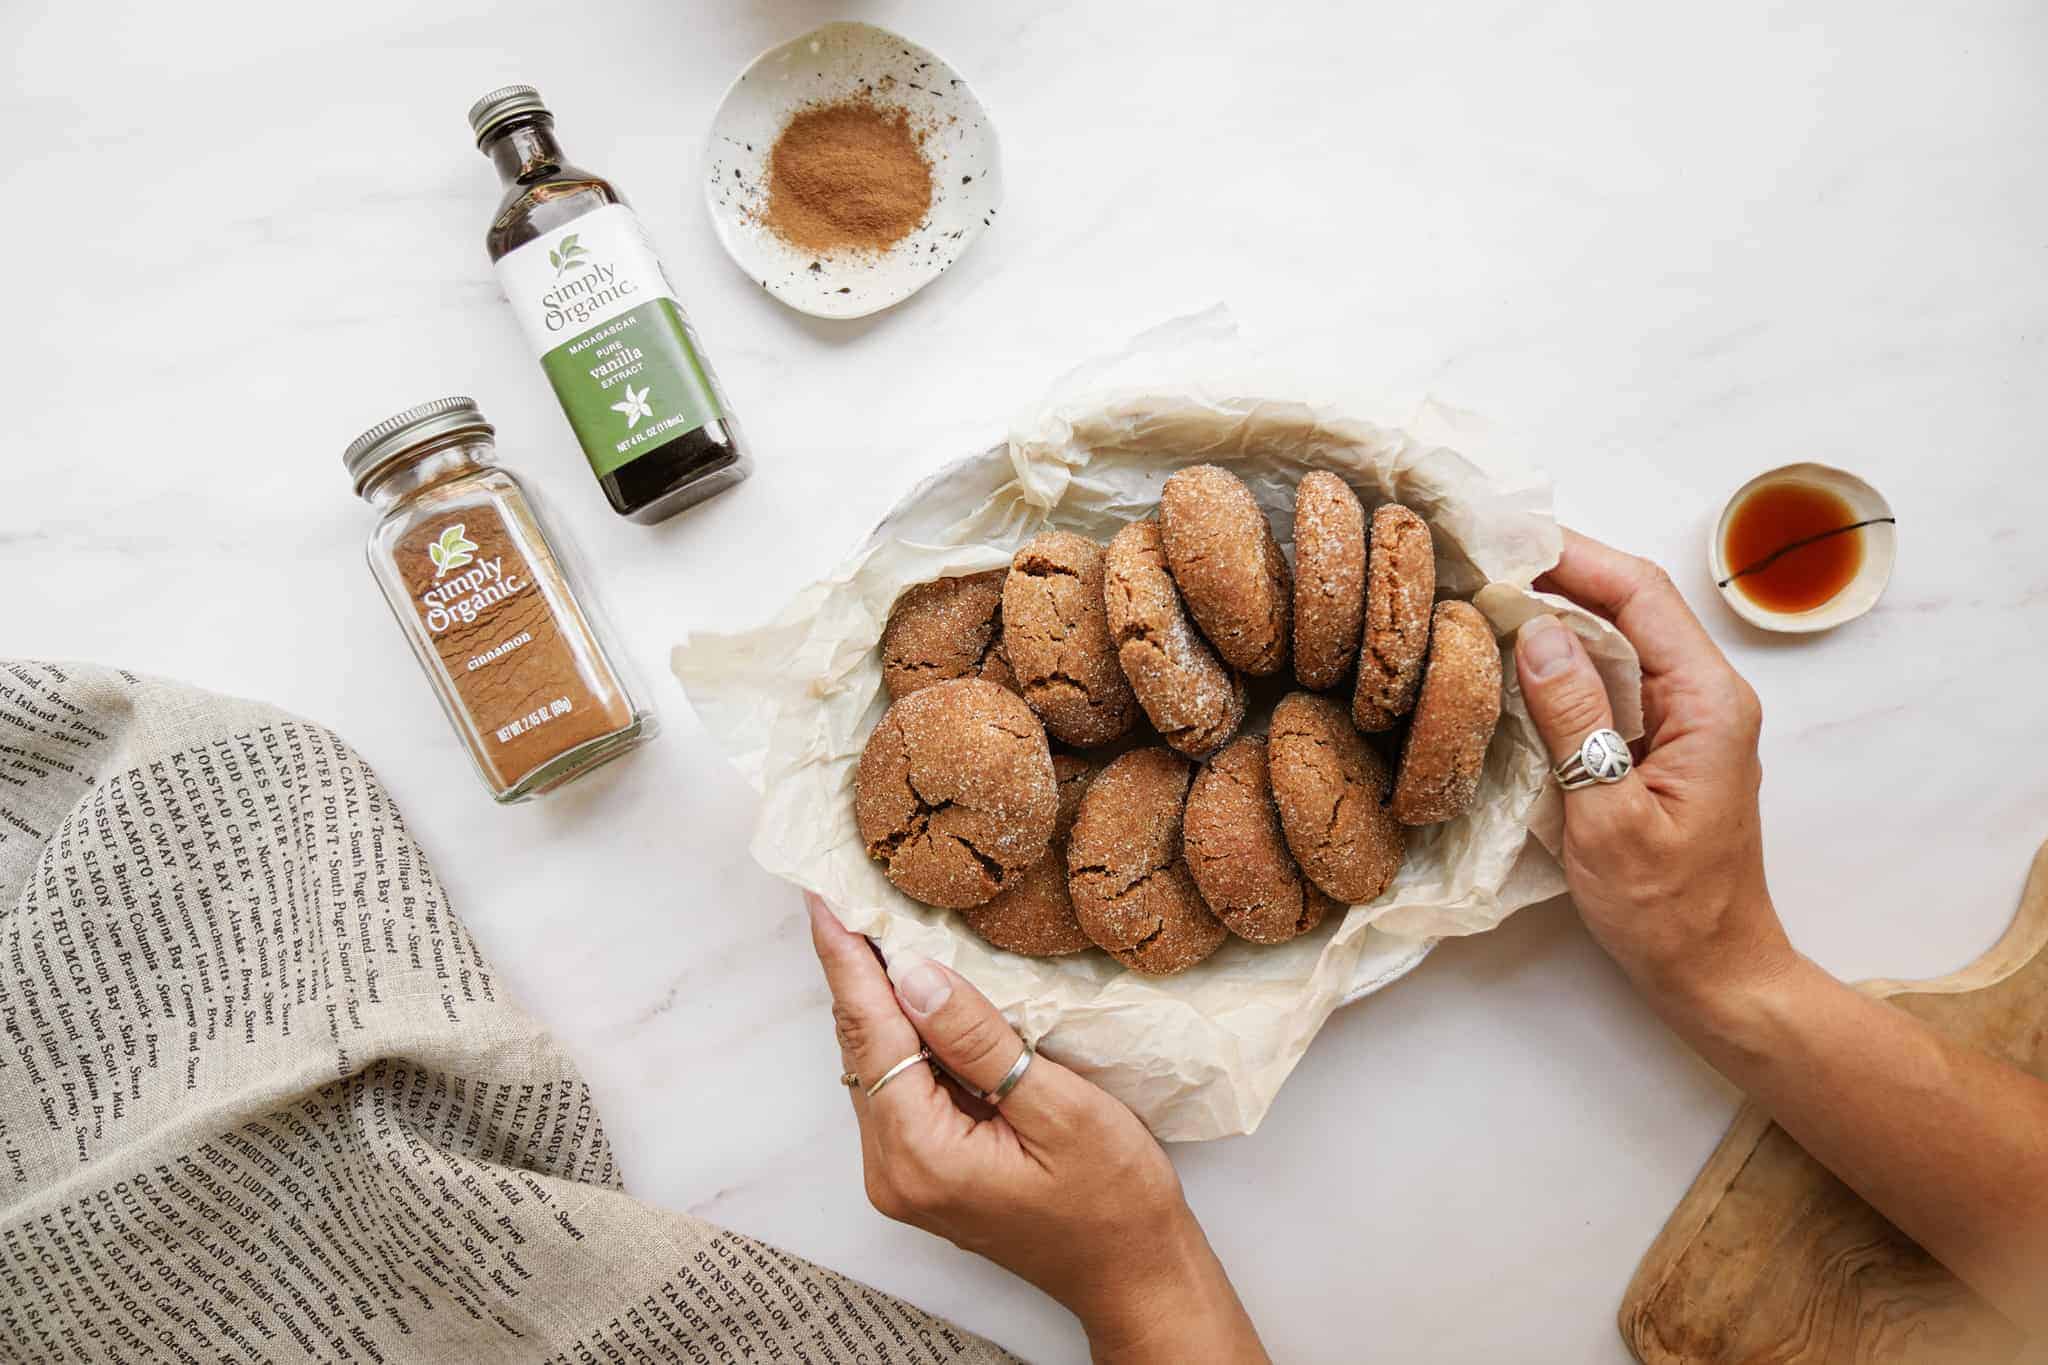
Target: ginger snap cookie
955, 794
1035, 916
1132, 890
947, 628
1454, 719
1194, 702
1228, 566
1329, 579
1238, 854
1400, 584
1331, 790
1056, 637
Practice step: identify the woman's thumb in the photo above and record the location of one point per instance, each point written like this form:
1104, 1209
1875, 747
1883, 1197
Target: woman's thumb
965, 1032
1563, 690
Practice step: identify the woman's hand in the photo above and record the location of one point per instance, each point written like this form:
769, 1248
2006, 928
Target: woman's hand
1062, 1186
1667, 869
1667, 865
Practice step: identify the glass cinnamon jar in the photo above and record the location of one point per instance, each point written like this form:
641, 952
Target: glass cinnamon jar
511, 640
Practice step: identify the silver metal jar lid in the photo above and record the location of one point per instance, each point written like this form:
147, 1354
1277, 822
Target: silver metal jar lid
408, 430
507, 101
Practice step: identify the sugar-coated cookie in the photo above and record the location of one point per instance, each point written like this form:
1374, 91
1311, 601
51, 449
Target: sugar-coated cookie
1238, 854
947, 628
1035, 916
1132, 890
955, 794
1331, 790
1329, 579
1194, 702
1454, 719
1056, 638
1228, 566
1400, 585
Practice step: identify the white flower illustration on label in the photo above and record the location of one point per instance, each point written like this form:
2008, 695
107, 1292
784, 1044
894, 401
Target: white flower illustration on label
451, 551
635, 407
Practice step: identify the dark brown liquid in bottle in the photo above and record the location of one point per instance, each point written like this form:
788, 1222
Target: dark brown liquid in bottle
546, 193
1787, 548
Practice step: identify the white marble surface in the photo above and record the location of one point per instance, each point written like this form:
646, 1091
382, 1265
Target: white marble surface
1663, 247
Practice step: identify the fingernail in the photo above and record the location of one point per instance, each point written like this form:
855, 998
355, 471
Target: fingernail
1544, 646
920, 982
820, 912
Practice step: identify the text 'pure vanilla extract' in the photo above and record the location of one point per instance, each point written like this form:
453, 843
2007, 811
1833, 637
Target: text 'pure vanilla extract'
599, 311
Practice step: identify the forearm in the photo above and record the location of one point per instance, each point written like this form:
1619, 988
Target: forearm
1948, 1143
1186, 1309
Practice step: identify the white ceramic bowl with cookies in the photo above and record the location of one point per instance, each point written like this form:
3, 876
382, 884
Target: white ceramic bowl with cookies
1200, 1054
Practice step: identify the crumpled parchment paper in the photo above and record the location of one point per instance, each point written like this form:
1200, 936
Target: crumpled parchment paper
1202, 1054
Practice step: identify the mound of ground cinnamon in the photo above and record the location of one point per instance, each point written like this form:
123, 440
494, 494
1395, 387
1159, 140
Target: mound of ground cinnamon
850, 175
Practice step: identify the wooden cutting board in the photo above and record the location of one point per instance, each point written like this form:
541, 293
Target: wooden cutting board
1769, 1258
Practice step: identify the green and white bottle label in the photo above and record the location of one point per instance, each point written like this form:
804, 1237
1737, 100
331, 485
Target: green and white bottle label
599, 311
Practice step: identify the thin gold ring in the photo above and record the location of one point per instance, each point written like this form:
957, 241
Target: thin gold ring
923, 1054
849, 1080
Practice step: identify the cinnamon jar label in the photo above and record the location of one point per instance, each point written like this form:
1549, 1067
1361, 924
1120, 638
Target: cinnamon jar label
598, 310
529, 677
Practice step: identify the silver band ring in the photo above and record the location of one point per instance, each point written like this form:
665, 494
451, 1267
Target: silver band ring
923, 1054
1602, 757
1012, 1076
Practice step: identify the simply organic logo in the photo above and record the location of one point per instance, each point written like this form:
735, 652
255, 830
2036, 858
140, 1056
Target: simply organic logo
465, 597
584, 285
451, 551
569, 252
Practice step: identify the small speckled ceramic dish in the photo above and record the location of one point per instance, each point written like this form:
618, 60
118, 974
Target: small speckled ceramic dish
833, 63
1879, 537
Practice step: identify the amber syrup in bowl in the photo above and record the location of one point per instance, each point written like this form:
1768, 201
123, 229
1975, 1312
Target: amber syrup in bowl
1803, 548
1793, 546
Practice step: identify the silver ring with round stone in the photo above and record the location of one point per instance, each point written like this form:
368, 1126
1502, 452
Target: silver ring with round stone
1602, 757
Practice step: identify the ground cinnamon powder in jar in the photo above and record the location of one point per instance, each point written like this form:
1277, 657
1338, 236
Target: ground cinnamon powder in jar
850, 175
503, 627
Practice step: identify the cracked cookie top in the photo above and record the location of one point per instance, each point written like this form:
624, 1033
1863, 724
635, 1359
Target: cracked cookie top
1238, 855
1228, 565
1194, 702
947, 628
1329, 578
1331, 789
1454, 719
1056, 636
1132, 891
1035, 915
1400, 584
955, 794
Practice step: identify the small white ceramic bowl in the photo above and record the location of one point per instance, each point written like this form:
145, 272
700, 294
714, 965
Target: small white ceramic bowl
828, 64
1858, 596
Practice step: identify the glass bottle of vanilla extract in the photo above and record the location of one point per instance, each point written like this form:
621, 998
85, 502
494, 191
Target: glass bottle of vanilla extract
511, 638
599, 311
